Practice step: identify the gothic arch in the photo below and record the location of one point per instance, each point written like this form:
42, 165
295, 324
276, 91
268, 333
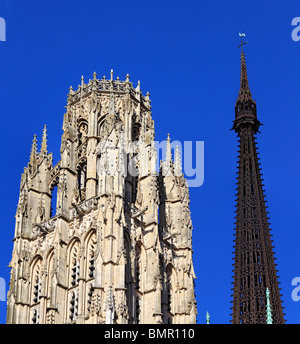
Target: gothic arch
53, 190
90, 250
34, 261
50, 259
73, 264
89, 233
35, 289
90, 245
100, 123
136, 128
50, 276
73, 261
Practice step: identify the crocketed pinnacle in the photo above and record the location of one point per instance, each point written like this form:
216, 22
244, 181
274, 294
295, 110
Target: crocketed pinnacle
177, 162
33, 151
168, 150
44, 141
167, 164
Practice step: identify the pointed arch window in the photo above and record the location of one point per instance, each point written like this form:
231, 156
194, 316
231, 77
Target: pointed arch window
35, 316
51, 286
73, 306
37, 290
91, 248
75, 264
36, 281
90, 293
36, 286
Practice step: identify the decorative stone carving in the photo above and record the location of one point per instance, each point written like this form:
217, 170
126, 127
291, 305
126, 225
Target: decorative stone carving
118, 226
110, 306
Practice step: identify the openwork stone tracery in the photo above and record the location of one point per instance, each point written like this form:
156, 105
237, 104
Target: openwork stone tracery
117, 246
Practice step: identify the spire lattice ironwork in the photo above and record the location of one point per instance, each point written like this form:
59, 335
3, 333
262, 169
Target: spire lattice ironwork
254, 262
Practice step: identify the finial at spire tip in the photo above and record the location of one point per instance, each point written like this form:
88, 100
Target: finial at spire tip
242, 42
33, 152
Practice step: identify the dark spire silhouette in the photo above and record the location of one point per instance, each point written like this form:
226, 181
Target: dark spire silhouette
254, 262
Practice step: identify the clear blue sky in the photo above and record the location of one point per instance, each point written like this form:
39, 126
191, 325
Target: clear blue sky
186, 56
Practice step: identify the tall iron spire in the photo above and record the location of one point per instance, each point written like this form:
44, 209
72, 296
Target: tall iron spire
244, 93
245, 108
254, 262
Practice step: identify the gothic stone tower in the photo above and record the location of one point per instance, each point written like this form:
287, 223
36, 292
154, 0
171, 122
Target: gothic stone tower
254, 266
118, 249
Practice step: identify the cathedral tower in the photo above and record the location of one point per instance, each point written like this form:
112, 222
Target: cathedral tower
117, 245
254, 262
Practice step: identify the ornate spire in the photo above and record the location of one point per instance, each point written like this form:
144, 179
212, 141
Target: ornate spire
44, 141
168, 150
245, 107
167, 164
33, 153
254, 261
177, 162
244, 92
138, 88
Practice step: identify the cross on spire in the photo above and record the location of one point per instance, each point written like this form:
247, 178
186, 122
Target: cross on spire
252, 232
244, 92
242, 42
